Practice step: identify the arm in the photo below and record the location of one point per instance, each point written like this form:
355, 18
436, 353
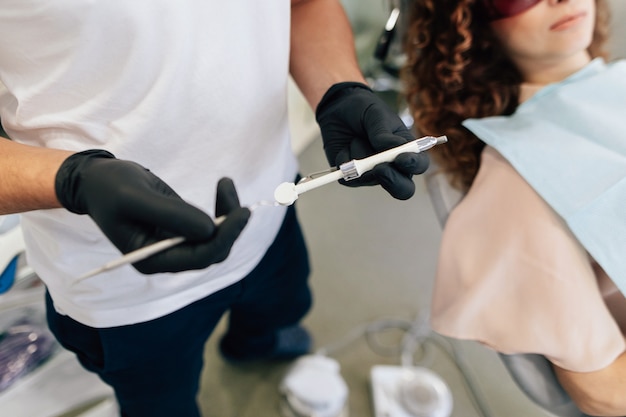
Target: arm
322, 47
355, 123
28, 175
597, 393
131, 205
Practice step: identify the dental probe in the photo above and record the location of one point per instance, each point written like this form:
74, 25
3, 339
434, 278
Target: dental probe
287, 193
154, 248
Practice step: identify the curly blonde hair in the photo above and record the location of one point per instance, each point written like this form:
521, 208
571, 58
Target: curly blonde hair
456, 70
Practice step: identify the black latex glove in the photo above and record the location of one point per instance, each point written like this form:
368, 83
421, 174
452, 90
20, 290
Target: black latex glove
355, 123
135, 208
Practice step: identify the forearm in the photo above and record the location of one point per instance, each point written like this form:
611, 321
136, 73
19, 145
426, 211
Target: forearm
322, 47
598, 393
28, 175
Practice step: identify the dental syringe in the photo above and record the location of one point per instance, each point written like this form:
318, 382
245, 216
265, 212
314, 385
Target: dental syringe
286, 194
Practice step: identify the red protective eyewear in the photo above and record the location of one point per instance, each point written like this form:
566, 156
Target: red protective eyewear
500, 9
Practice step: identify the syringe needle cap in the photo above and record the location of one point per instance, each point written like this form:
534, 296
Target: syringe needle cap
285, 194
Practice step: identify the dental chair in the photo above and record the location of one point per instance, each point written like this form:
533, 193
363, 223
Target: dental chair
532, 373
11, 249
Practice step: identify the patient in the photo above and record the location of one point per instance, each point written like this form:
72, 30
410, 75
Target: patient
533, 258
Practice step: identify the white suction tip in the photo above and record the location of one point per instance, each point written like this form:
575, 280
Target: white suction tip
285, 194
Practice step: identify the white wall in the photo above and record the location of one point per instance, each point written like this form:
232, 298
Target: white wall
618, 27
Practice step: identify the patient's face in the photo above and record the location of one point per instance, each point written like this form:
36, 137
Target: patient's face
549, 40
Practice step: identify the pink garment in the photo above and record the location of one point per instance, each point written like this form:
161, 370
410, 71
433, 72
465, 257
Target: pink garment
513, 277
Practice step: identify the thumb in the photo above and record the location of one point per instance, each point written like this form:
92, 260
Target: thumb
198, 255
218, 248
226, 199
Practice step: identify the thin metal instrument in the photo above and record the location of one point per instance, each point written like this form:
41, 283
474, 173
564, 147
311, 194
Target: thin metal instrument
154, 248
287, 192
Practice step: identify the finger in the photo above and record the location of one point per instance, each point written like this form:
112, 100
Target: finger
385, 129
411, 163
188, 256
227, 233
226, 199
171, 214
343, 156
365, 180
394, 182
386, 140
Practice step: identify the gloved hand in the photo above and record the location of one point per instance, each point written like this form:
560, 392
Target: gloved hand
355, 123
135, 208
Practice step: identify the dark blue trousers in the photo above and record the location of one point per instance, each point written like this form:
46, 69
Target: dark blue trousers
154, 367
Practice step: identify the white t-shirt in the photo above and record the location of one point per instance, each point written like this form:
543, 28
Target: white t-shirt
194, 90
